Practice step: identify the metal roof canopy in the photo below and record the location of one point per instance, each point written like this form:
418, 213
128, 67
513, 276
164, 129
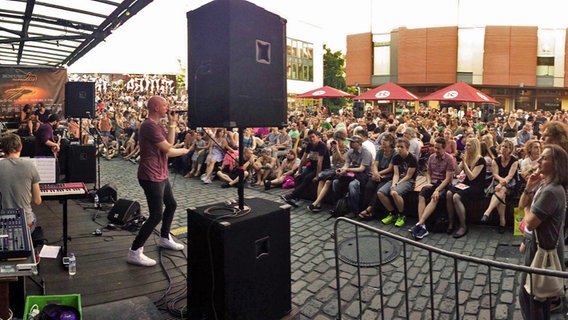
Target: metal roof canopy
56, 33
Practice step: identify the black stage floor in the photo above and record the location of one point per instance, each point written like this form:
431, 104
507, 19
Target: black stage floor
103, 276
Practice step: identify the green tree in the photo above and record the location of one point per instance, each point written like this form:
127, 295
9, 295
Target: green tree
334, 76
180, 79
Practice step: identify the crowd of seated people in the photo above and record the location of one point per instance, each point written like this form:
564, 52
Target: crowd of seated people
310, 152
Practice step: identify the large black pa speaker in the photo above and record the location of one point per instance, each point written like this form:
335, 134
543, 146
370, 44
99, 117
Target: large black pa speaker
108, 193
358, 109
237, 66
80, 99
123, 210
239, 265
81, 163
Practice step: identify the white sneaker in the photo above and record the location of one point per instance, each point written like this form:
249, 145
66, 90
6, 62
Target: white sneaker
207, 181
169, 243
203, 176
138, 257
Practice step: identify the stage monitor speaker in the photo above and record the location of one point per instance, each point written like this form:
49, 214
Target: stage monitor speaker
80, 99
358, 109
81, 163
239, 265
237, 66
108, 193
123, 210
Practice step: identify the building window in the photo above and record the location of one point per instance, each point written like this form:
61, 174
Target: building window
300, 60
546, 51
381, 57
545, 66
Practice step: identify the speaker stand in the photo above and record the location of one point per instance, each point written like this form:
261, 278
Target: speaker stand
97, 138
241, 186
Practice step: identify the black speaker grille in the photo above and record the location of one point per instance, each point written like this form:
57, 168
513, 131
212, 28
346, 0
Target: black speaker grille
251, 263
80, 99
237, 66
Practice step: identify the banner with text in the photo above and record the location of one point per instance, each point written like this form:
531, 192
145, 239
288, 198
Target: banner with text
21, 86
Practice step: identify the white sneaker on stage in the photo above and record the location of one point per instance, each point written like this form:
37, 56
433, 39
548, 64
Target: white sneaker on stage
138, 257
169, 243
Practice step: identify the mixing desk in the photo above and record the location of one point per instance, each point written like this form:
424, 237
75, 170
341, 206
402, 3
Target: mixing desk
14, 239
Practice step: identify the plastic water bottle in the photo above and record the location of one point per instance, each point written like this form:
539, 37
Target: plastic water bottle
96, 200
72, 264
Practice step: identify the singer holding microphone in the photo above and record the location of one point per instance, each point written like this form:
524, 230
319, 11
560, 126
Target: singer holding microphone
156, 145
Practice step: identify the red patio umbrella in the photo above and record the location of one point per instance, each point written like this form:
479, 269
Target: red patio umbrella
460, 92
387, 91
325, 92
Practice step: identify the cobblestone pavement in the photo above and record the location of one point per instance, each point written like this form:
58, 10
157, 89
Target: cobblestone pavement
313, 260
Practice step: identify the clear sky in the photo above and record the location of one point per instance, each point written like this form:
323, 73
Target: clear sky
155, 40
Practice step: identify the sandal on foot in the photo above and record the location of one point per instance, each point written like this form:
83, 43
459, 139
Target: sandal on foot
365, 215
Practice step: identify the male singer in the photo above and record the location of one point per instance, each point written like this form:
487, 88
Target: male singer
156, 145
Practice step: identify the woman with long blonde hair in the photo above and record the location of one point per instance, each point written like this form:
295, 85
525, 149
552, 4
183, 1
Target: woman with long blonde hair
470, 189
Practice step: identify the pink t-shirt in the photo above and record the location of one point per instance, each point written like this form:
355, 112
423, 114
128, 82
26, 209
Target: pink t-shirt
153, 162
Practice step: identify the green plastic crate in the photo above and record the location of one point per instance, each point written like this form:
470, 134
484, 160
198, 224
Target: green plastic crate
73, 300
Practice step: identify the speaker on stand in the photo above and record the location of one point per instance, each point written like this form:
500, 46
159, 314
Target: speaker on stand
358, 109
79, 99
239, 264
229, 41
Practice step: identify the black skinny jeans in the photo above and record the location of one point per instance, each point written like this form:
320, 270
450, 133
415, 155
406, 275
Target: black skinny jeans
157, 193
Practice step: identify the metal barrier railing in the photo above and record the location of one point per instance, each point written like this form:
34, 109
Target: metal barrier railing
456, 257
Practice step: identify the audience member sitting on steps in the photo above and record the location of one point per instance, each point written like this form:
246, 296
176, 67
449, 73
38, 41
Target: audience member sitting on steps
283, 143
314, 160
200, 149
392, 193
555, 132
229, 174
415, 143
215, 155
529, 164
451, 146
471, 189
367, 144
353, 174
264, 166
505, 180
248, 139
381, 173
285, 170
439, 175
338, 152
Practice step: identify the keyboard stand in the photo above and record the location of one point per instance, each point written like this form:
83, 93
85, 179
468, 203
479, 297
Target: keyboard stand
63, 200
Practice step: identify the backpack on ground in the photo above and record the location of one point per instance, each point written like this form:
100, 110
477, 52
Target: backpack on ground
341, 207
